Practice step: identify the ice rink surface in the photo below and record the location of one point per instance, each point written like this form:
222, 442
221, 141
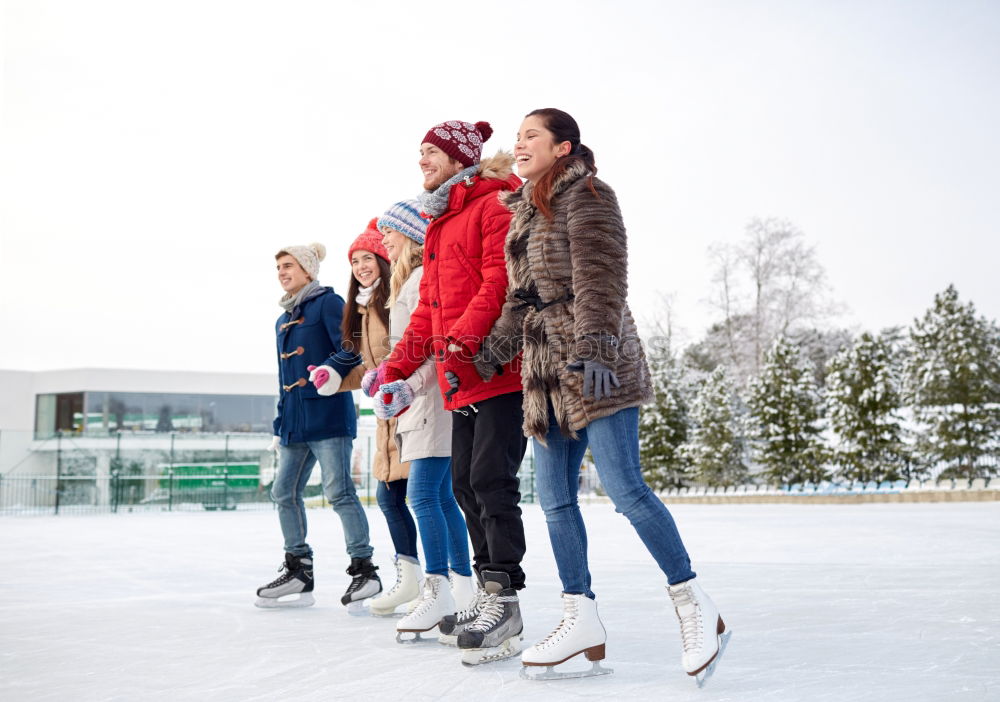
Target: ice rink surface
877, 602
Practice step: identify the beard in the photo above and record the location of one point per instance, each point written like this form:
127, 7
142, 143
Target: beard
443, 175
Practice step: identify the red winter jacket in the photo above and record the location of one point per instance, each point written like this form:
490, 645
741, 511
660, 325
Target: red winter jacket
463, 288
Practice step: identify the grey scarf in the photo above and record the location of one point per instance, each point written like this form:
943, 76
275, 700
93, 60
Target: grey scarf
435, 202
291, 303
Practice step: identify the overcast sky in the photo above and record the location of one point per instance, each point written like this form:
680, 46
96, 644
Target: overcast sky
155, 155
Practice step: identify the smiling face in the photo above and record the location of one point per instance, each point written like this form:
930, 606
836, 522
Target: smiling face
291, 275
437, 166
536, 149
394, 242
364, 266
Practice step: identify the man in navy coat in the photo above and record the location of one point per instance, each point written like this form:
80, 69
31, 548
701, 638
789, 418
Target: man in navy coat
314, 425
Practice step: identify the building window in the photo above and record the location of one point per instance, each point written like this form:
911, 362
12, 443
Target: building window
110, 412
62, 412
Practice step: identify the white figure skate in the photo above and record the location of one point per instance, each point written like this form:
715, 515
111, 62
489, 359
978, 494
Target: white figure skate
407, 588
435, 602
703, 633
580, 631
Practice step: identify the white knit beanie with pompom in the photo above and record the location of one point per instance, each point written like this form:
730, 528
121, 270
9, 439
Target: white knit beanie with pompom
307, 256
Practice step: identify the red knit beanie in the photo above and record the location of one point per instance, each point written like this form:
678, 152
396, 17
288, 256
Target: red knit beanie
369, 240
460, 140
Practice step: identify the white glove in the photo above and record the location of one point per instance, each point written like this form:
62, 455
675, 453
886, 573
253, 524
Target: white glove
325, 378
275, 443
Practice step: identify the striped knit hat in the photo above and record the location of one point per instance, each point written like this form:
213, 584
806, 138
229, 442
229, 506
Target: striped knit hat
405, 218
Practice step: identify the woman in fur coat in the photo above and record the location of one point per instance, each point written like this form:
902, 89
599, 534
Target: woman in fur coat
585, 376
423, 437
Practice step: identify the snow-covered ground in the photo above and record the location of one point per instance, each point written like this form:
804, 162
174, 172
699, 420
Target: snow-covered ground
863, 602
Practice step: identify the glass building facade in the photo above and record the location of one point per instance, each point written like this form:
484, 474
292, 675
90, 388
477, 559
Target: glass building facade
104, 413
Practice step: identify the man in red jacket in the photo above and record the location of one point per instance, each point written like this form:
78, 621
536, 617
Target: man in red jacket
461, 295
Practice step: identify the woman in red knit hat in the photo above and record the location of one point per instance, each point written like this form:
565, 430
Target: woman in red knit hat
365, 331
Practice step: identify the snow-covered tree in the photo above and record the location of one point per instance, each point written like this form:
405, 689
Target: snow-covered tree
952, 375
717, 448
663, 425
768, 284
863, 399
786, 417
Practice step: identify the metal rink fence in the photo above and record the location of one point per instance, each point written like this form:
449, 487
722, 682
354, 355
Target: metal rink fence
134, 473
51, 494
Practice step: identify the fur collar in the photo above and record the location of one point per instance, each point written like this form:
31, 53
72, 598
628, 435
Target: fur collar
497, 167
416, 257
522, 196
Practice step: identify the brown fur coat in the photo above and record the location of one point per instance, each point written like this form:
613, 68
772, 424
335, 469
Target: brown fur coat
581, 259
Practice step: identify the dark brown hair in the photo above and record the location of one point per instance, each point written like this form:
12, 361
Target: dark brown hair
563, 128
350, 327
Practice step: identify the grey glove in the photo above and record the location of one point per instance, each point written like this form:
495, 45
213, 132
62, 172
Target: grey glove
486, 362
598, 379
452, 383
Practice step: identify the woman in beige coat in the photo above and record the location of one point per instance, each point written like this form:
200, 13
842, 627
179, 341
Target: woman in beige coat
366, 332
423, 435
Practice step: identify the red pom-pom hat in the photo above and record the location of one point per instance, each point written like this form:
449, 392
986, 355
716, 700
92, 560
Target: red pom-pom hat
369, 240
460, 140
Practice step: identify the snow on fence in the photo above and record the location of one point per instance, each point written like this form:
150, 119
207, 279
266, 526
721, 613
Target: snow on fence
932, 490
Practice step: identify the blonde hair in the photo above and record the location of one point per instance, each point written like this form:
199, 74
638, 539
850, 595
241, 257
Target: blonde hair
410, 257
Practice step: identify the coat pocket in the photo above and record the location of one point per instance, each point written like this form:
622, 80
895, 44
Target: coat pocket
466, 264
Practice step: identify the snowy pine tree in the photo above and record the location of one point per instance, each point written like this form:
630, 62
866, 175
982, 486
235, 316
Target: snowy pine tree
663, 425
717, 447
863, 403
952, 376
785, 417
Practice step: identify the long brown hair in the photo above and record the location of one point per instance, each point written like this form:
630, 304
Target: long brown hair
563, 128
350, 327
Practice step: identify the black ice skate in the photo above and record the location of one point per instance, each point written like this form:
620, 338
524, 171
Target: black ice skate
364, 584
496, 632
293, 588
451, 625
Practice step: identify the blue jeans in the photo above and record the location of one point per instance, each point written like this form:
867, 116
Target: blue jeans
442, 528
614, 443
295, 464
391, 498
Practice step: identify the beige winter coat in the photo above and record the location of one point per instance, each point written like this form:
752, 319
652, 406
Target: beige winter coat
424, 430
579, 263
375, 346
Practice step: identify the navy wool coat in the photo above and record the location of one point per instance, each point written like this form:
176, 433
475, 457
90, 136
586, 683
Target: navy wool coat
313, 338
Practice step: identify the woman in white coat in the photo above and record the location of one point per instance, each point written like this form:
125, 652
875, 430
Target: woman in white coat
423, 436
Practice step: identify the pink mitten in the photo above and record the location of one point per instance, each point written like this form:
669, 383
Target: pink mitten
318, 375
325, 378
371, 380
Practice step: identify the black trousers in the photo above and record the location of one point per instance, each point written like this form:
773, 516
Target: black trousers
487, 446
